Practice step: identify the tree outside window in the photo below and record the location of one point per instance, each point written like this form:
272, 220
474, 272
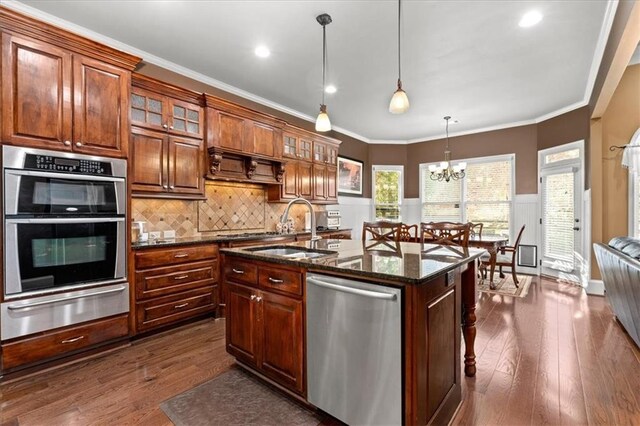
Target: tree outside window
387, 192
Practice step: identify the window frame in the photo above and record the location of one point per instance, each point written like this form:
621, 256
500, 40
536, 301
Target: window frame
634, 214
424, 168
387, 168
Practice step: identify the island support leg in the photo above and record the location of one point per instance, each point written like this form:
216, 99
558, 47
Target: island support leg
469, 300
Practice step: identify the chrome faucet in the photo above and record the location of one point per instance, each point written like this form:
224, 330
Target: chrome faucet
285, 215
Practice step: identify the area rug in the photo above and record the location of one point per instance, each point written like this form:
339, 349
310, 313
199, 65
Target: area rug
506, 285
235, 398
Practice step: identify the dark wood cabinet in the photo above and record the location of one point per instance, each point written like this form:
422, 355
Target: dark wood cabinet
311, 169
236, 129
31, 71
63, 342
164, 165
101, 100
319, 175
161, 106
265, 324
167, 145
242, 323
282, 339
174, 284
53, 98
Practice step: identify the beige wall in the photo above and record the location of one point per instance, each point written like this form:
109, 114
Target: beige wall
609, 184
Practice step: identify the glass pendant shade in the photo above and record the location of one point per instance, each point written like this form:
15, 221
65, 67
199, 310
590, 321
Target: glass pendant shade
399, 102
323, 124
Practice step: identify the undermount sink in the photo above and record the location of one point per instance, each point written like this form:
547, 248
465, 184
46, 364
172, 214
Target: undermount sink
291, 252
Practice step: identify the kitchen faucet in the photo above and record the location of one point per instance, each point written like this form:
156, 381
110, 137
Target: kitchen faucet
285, 215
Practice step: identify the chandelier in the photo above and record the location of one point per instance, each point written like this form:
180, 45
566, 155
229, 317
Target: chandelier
445, 171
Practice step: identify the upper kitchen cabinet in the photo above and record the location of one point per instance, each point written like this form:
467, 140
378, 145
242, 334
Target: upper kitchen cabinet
61, 91
325, 151
297, 146
160, 106
167, 148
233, 128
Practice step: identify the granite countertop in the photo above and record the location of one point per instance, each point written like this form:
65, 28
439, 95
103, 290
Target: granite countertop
222, 238
411, 263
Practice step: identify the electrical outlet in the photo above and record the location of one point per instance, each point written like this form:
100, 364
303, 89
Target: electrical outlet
154, 235
169, 234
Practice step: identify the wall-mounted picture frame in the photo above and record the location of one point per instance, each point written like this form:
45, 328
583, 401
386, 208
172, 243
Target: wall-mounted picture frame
349, 176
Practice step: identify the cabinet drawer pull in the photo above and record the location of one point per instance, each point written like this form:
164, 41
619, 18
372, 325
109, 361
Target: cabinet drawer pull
181, 277
179, 255
275, 280
237, 271
182, 305
73, 339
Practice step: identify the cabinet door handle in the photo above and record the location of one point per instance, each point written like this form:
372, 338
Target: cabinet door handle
258, 299
182, 305
73, 339
78, 144
181, 277
237, 271
172, 187
275, 280
165, 186
181, 255
254, 297
67, 143
165, 126
170, 127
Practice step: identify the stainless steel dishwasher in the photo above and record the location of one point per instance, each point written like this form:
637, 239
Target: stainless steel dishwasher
354, 353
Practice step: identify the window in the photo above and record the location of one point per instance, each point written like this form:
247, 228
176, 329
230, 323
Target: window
484, 195
387, 192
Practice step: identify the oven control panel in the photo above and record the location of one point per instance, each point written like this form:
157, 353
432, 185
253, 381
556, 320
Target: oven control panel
66, 165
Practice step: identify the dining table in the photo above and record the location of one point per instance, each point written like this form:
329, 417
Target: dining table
491, 243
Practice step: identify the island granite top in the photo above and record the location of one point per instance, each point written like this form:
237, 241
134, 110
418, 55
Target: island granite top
411, 263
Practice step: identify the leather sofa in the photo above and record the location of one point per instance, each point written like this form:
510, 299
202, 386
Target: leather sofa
619, 264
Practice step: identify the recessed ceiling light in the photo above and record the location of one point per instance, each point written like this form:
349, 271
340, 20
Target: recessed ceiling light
330, 89
530, 18
262, 52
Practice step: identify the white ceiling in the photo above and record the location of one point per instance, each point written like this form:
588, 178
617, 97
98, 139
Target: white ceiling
468, 59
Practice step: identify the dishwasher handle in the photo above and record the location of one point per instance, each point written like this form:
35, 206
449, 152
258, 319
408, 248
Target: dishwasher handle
352, 290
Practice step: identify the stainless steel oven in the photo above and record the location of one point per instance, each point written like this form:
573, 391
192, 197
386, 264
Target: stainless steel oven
64, 220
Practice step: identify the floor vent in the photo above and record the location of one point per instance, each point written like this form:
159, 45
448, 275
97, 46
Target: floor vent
527, 256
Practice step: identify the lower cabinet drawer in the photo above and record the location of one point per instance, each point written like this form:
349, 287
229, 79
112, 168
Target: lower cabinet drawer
56, 343
165, 310
174, 279
279, 279
241, 270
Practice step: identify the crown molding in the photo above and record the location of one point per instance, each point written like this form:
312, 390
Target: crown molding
179, 69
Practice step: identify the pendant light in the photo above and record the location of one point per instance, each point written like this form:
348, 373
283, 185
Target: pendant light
399, 102
323, 124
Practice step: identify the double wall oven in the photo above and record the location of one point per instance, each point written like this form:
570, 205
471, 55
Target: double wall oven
64, 240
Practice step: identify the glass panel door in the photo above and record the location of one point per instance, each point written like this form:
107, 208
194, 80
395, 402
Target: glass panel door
561, 227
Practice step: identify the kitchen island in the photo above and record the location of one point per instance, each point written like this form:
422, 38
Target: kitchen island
268, 303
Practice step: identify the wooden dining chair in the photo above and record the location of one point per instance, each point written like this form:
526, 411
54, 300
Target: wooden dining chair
445, 233
475, 229
381, 230
507, 257
408, 233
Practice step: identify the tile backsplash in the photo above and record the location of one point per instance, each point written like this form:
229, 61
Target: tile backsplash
229, 208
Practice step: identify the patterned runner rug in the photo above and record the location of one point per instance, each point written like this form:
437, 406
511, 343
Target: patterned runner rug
506, 285
235, 398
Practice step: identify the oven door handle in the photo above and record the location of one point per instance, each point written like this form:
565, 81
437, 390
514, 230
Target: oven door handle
64, 299
45, 221
64, 176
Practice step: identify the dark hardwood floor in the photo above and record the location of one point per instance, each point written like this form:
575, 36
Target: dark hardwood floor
554, 357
